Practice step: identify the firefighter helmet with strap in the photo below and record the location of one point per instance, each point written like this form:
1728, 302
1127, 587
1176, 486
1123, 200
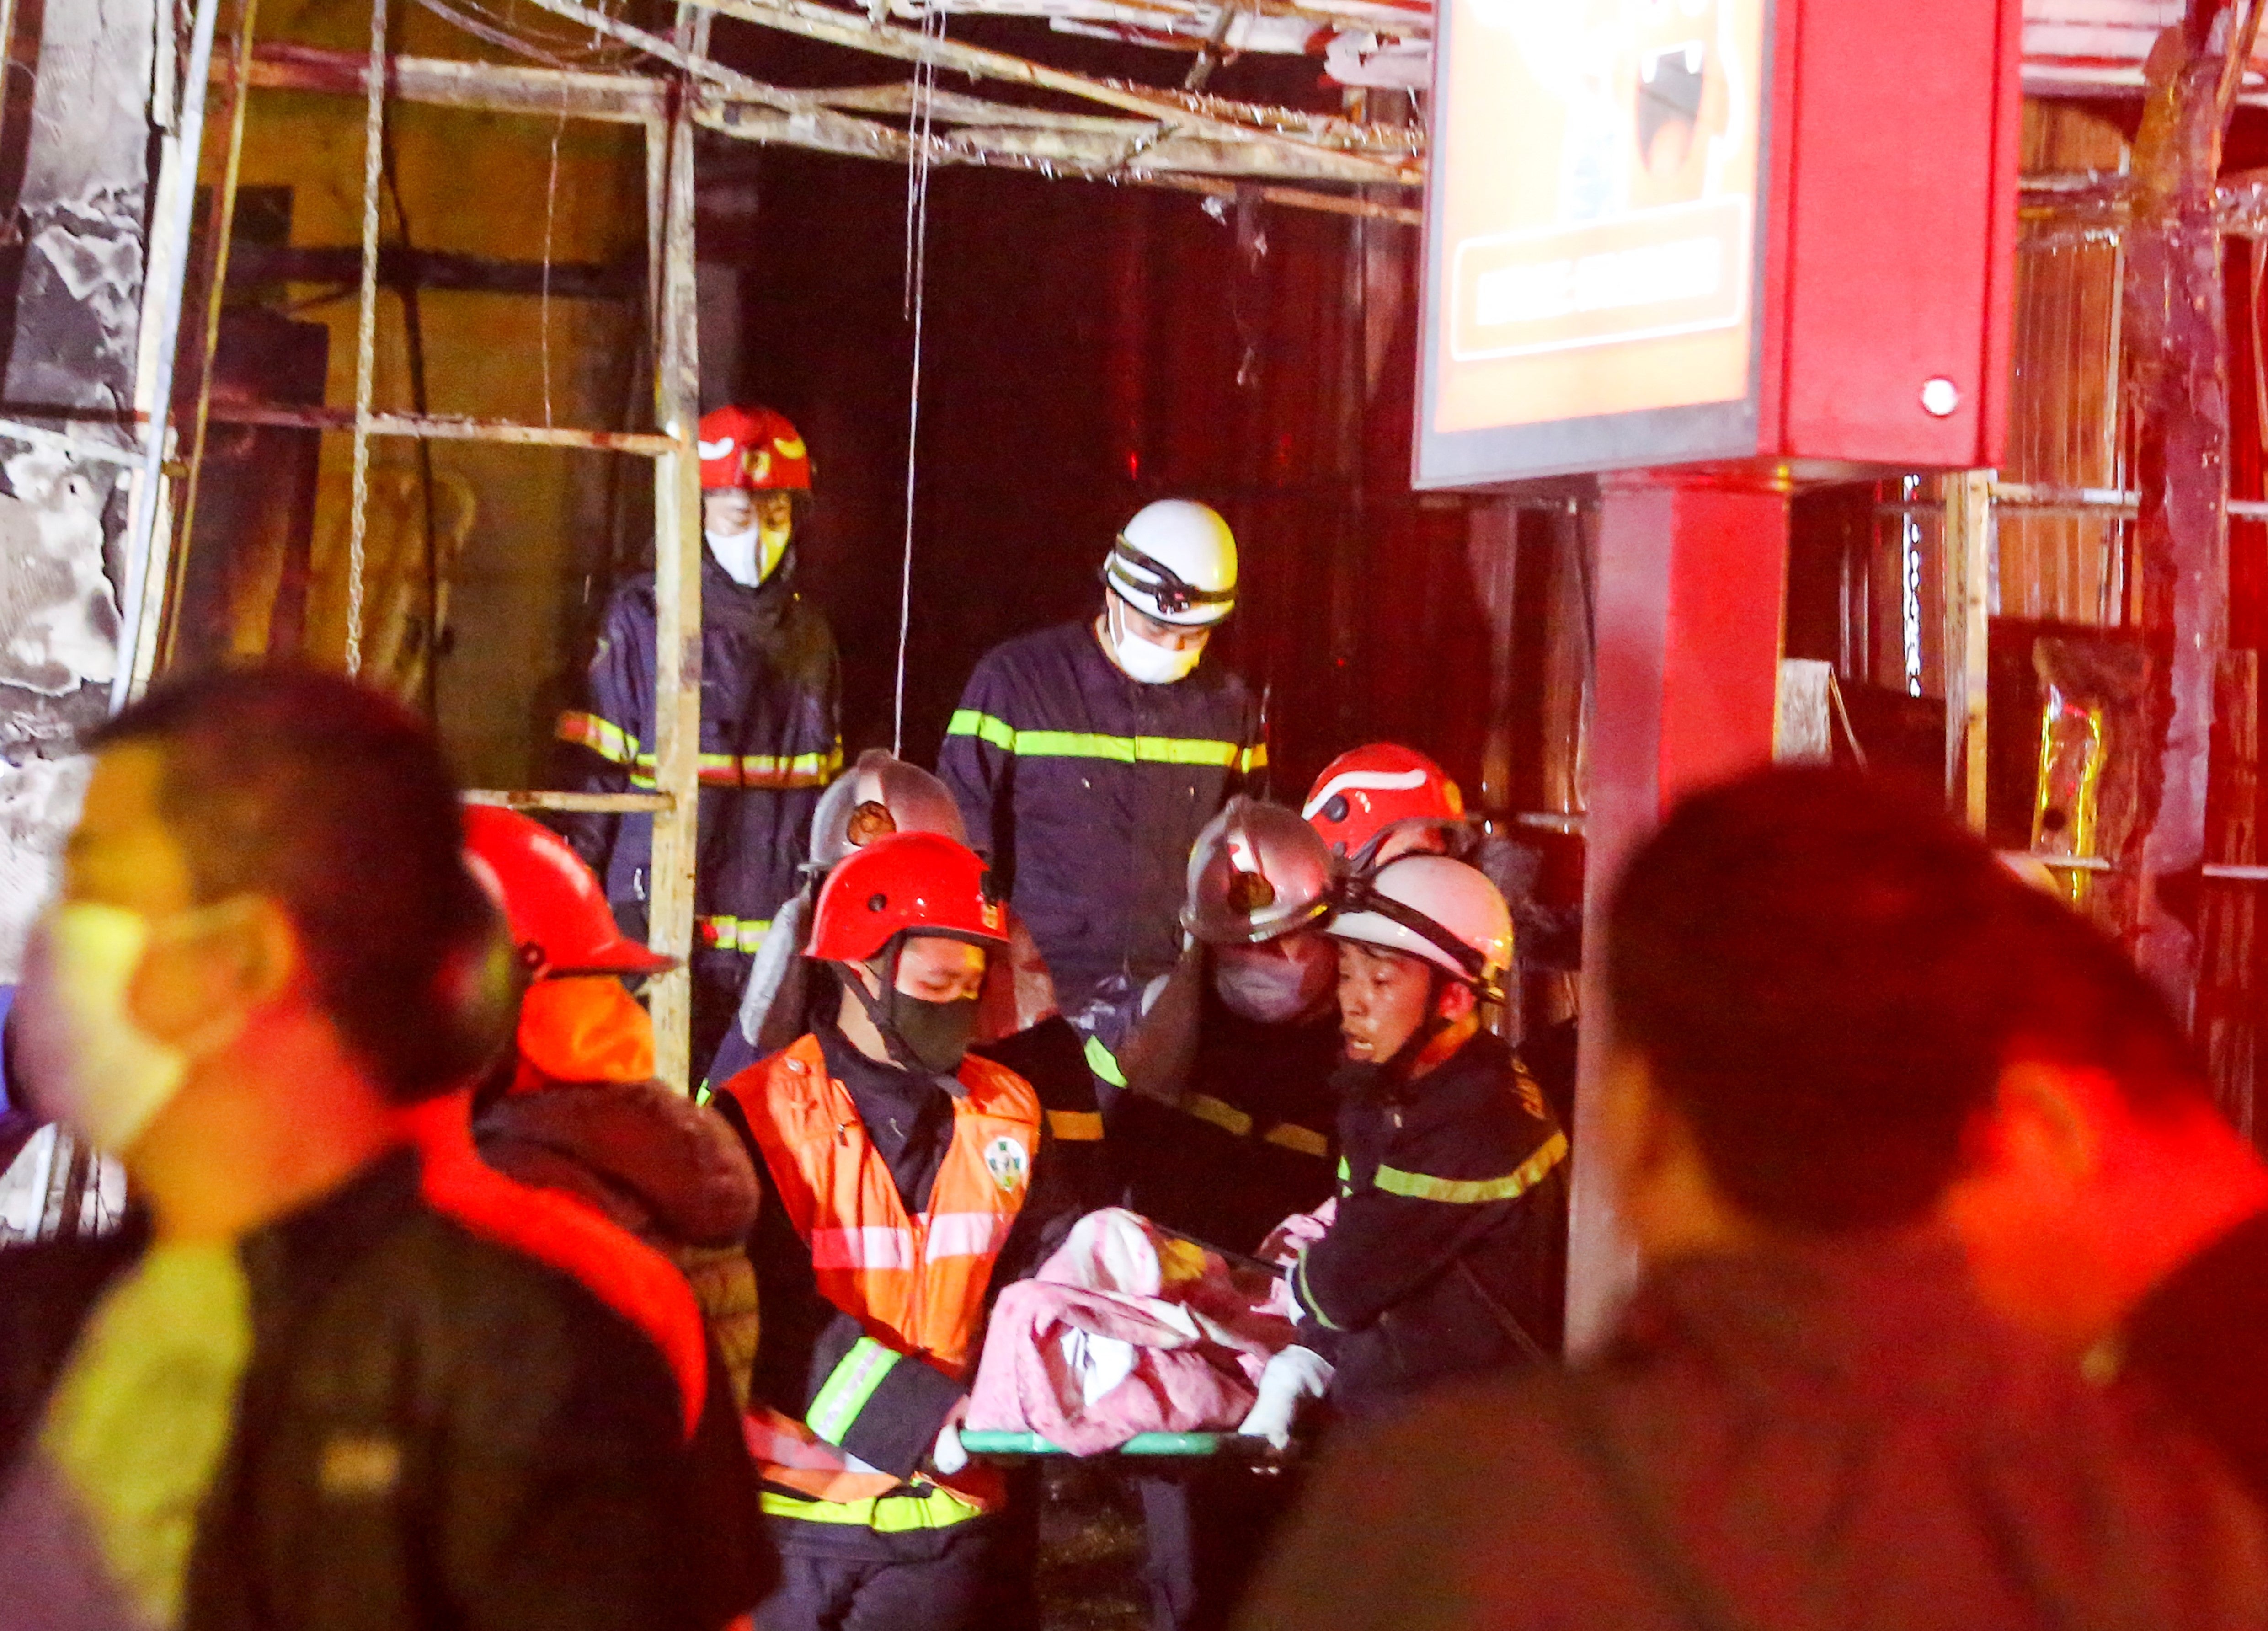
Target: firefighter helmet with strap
1431, 907
1256, 872
905, 883
1368, 792
560, 921
1175, 561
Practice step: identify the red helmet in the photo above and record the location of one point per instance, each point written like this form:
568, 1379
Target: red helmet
754, 449
1366, 792
904, 883
558, 912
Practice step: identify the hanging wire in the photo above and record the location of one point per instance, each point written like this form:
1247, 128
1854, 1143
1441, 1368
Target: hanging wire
917, 133
551, 217
366, 333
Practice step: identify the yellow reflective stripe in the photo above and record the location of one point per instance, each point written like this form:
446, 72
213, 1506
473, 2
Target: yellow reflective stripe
1099, 1061
932, 1507
1253, 758
848, 1387
1305, 1298
773, 772
724, 933
1290, 1136
1221, 1112
970, 722
1076, 1125
1471, 1192
1124, 749
602, 736
1096, 745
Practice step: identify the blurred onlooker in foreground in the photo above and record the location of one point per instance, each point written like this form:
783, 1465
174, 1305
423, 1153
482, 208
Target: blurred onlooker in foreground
318, 1384
2110, 1204
574, 1105
1806, 1417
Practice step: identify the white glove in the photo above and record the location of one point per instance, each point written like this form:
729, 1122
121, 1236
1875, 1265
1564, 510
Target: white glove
946, 1454
1292, 1377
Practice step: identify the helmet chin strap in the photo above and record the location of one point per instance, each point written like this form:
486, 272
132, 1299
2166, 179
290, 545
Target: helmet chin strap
878, 1013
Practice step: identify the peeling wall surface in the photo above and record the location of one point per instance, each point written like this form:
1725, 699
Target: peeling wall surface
79, 217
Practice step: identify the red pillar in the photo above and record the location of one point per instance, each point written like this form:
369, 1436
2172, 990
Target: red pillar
1687, 596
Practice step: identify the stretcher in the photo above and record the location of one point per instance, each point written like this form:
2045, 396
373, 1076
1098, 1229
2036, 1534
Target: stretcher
1185, 1446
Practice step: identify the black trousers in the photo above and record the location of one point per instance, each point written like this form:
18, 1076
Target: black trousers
937, 1580
1206, 1534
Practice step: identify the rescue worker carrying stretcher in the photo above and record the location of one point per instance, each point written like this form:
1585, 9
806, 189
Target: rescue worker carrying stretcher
1225, 1132
1088, 757
789, 994
770, 704
906, 1179
1447, 1252
1226, 1129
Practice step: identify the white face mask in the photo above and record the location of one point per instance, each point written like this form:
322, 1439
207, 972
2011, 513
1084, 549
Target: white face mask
749, 556
1270, 990
91, 1066
1144, 662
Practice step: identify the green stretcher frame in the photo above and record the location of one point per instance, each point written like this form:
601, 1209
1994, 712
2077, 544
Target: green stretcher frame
1140, 1445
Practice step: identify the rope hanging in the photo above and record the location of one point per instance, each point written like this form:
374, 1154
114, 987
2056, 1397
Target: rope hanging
365, 333
917, 134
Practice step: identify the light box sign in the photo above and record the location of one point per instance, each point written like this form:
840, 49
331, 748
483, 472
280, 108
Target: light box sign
1592, 232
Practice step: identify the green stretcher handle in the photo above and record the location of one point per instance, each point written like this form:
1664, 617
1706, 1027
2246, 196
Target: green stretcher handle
1140, 1445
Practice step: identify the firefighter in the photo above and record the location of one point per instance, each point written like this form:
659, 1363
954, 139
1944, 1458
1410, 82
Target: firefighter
1225, 1130
788, 993
1088, 757
1447, 1252
905, 1178
1374, 803
1228, 1128
769, 712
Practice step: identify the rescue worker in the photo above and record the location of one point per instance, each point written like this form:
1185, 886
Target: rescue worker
574, 1105
789, 994
1448, 1250
905, 1179
1225, 1130
771, 706
1374, 803
1088, 757
1228, 1128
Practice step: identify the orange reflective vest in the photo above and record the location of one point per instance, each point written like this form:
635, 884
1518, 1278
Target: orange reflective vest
917, 1282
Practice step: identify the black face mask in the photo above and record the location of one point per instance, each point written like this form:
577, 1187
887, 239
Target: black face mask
935, 1035
931, 1038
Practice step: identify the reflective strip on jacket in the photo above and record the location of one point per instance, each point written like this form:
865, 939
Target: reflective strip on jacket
1087, 790
916, 1282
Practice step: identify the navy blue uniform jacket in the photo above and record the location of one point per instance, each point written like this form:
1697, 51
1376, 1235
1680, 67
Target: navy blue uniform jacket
1450, 1241
770, 691
1087, 790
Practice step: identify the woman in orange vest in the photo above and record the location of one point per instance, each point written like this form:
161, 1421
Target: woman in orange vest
907, 1179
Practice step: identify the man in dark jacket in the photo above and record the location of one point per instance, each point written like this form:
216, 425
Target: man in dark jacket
1806, 1417
770, 708
326, 1379
1088, 757
1447, 1250
2111, 1206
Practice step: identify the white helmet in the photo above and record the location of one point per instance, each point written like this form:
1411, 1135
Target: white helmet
1176, 562
1435, 908
880, 794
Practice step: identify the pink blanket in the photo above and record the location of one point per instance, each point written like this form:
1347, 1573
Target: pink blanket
1125, 1330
